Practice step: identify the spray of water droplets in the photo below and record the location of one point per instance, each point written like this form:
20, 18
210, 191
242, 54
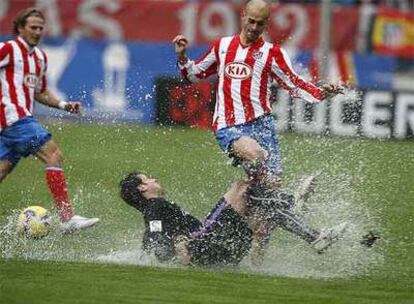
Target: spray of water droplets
286, 255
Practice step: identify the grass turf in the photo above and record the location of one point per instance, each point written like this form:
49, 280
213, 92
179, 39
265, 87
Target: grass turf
41, 282
195, 174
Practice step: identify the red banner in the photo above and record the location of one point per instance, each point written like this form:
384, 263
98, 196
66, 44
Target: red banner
393, 33
158, 21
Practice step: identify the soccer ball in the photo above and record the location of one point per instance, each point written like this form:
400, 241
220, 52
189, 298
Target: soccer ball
34, 222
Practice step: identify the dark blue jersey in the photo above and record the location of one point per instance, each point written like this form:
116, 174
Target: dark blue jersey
164, 221
222, 239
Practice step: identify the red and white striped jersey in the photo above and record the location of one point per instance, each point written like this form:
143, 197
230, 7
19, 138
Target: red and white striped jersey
245, 75
22, 73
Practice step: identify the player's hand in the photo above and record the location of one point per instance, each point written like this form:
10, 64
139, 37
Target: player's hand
181, 44
73, 107
331, 90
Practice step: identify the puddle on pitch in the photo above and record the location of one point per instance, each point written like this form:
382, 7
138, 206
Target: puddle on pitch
286, 255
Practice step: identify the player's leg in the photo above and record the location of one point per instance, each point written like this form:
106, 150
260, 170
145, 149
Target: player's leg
292, 223
264, 132
254, 146
267, 196
262, 217
51, 155
274, 205
247, 149
26, 137
266, 179
239, 145
225, 238
227, 241
304, 190
277, 210
237, 196
8, 157
252, 157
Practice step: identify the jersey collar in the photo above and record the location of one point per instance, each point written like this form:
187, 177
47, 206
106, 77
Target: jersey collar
257, 44
24, 44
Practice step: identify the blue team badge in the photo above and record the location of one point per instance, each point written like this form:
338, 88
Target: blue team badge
257, 55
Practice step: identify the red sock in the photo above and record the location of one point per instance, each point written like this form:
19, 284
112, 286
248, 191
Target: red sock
57, 185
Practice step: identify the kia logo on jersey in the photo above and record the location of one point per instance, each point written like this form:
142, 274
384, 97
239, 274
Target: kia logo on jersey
30, 80
238, 70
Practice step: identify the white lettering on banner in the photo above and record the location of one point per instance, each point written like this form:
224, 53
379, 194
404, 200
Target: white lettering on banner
283, 20
378, 114
93, 20
302, 124
51, 12
227, 25
336, 111
376, 110
404, 115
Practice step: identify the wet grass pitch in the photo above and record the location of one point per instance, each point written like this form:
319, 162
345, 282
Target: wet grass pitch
368, 183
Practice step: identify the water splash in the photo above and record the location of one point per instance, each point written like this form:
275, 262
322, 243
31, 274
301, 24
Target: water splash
334, 202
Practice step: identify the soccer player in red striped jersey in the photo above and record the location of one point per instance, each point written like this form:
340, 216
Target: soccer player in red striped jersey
23, 67
246, 66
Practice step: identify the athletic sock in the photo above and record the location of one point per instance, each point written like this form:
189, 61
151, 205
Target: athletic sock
262, 194
57, 185
292, 223
276, 207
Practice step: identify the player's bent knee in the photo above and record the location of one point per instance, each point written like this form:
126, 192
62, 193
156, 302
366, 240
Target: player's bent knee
258, 154
248, 149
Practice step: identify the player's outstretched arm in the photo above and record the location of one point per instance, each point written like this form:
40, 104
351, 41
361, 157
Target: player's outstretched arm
202, 68
48, 99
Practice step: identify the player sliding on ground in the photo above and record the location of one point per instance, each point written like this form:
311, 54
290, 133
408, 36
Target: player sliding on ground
23, 68
224, 237
246, 66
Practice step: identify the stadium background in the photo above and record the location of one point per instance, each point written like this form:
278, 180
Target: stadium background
126, 48
116, 57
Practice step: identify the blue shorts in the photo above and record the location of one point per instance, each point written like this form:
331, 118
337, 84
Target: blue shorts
263, 130
23, 138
